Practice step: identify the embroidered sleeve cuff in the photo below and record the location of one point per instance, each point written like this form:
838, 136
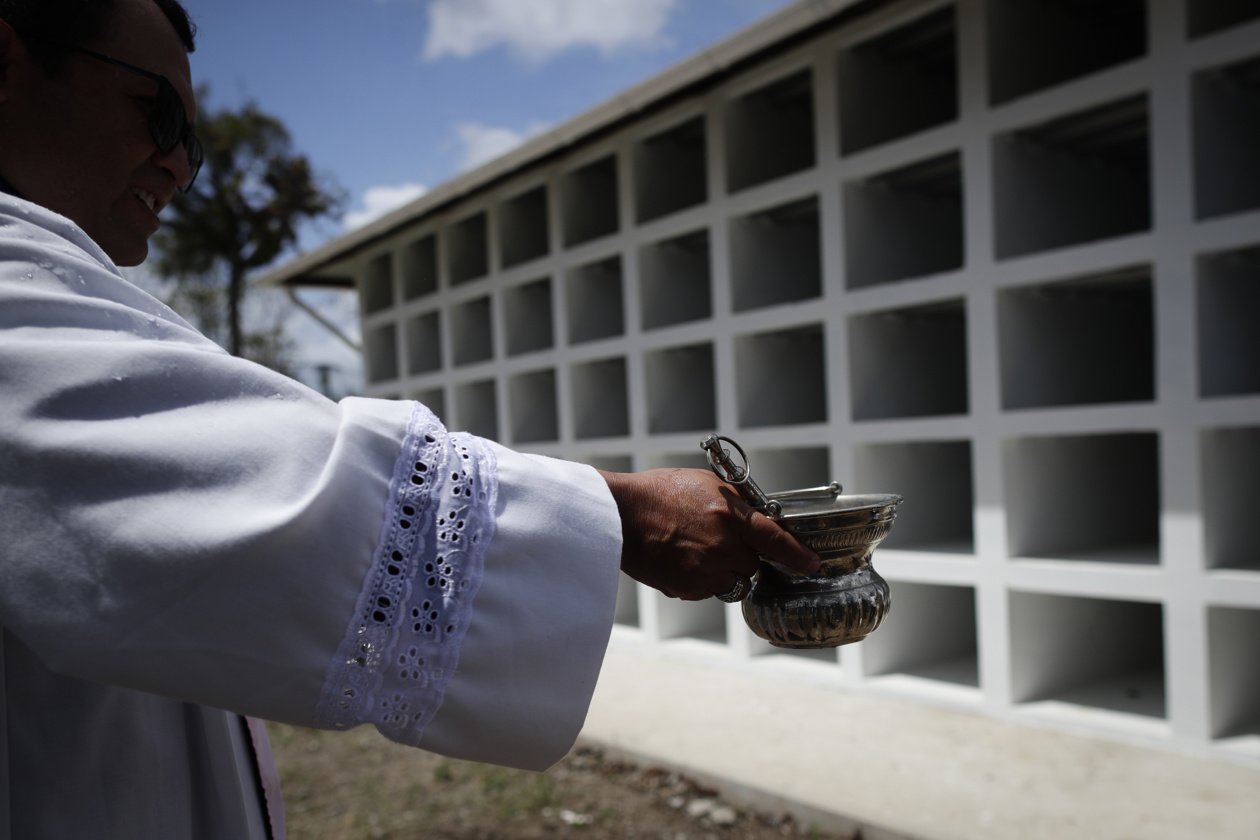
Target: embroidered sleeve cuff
402, 643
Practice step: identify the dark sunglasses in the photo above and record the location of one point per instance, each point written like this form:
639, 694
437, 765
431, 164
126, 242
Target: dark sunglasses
168, 121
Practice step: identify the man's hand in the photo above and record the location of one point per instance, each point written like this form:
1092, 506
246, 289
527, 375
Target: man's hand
690, 535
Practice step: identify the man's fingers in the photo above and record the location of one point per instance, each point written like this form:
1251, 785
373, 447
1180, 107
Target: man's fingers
688, 534
762, 534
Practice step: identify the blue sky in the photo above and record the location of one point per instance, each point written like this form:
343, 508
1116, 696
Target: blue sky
382, 93
389, 98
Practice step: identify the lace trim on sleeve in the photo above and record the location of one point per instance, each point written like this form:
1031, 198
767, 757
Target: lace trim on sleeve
402, 644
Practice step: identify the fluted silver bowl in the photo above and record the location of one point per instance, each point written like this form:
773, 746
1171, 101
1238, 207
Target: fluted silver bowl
846, 599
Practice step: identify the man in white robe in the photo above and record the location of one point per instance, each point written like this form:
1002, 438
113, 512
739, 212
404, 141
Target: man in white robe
183, 532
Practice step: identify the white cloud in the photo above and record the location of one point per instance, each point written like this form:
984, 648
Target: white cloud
540, 29
377, 201
484, 143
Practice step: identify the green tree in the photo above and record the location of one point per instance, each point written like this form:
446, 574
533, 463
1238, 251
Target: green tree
245, 210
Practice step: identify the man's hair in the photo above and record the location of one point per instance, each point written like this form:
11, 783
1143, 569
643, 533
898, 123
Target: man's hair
49, 27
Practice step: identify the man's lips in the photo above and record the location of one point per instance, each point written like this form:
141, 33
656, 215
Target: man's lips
154, 201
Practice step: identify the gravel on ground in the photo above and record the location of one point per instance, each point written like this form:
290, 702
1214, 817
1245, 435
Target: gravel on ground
359, 786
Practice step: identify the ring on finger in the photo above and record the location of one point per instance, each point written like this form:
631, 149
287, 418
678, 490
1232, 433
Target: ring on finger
737, 592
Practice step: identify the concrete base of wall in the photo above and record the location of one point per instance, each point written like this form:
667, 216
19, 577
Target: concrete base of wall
896, 769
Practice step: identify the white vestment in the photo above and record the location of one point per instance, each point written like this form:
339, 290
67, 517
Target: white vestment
183, 532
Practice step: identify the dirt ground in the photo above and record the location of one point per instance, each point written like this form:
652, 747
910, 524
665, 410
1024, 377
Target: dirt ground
359, 786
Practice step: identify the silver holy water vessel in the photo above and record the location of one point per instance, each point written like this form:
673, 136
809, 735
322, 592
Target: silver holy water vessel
846, 599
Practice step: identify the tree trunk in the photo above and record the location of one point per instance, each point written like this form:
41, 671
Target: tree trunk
236, 291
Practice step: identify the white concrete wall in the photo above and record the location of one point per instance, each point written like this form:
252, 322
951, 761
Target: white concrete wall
1026, 301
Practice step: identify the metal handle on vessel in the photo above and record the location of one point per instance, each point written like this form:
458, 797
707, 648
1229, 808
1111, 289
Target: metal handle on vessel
827, 490
720, 460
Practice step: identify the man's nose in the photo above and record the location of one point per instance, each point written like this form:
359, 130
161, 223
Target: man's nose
175, 162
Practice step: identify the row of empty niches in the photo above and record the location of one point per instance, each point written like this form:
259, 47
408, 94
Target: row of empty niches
705, 620
424, 343
476, 408
1094, 652
1229, 307
909, 362
1036, 44
599, 398
769, 132
780, 380
601, 406
527, 315
1075, 179
670, 171
523, 236
934, 478
594, 311
906, 80
674, 288
526, 311
898, 83
594, 304
1226, 123
1084, 497
781, 377
467, 258
904, 223
467, 249
380, 353
1234, 671
589, 209
523, 231
1081, 341
1207, 17
532, 406
675, 280
1078, 342
776, 255
1230, 464
377, 285
891, 86
589, 204
1089, 171
930, 633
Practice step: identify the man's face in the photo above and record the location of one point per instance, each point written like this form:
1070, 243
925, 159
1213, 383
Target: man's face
79, 143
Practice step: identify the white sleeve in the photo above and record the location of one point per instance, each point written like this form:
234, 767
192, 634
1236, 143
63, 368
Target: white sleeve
181, 522
541, 620
484, 615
